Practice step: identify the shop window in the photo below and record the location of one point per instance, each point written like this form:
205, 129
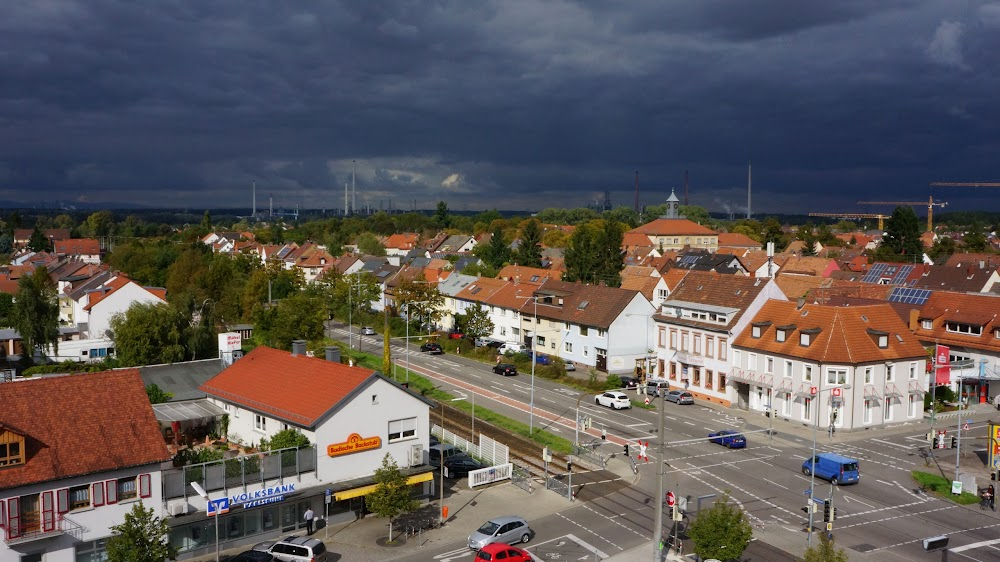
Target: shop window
867, 410
807, 409
912, 406
786, 403
92, 551
887, 409
402, 429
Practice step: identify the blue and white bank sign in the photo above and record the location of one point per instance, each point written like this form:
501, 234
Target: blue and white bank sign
273, 494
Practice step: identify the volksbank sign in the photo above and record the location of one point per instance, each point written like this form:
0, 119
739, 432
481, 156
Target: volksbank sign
261, 497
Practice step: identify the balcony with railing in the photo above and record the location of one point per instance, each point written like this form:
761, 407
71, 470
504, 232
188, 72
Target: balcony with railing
15, 533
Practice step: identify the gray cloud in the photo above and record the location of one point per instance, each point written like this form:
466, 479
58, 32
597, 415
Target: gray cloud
520, 105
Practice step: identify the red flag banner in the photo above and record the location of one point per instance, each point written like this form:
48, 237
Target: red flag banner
942, 363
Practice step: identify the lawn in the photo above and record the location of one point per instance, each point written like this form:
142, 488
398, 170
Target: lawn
941, 487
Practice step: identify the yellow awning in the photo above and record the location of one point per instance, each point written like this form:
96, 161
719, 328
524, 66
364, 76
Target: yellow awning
365, 490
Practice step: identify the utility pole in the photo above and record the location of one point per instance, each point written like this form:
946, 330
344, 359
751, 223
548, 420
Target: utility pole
658, 525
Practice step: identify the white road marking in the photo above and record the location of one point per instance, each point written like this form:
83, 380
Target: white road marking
474, 375
634, 425
979, 544
689, 423
848, 499
775, 483
573, 538
882, 482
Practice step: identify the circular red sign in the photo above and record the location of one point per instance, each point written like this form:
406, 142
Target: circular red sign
670, 499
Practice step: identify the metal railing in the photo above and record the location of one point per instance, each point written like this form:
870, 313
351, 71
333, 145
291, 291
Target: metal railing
239, 472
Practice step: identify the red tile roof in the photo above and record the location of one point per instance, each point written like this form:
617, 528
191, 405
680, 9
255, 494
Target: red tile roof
294, 388
737, 240
673, 227
975, 310
78, 247
80, 424
525, 274
404, 241
843, 335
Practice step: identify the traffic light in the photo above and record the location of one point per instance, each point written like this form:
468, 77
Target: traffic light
833, 514
604, 434
827, 511
569, 466
626, 449
954, 442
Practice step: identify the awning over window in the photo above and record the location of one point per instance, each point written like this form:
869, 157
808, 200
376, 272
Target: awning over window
365, 490
186, 411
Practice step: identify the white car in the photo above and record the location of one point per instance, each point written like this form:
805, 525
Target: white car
614, 399
512, 347
367, 331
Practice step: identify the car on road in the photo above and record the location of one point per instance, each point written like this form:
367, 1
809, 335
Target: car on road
367, 331
629, 383
506, 529
570, 366
657, 388
295, 549
679, 397
729, 438
505, 369
613, 399
511, 347
253, 556
542, 359
434, 348
838, 469
456, 335
460, 466
500, 551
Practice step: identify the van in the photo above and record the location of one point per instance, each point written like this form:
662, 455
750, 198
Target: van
836, 468
435, 453
512, 347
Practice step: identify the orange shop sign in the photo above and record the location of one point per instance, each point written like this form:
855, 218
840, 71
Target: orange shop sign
354, 444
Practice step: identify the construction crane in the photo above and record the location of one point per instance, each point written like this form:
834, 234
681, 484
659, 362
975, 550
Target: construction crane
965, 184
930, 207
881, 218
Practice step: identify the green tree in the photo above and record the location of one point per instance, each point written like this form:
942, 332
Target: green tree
143, 537
774, 233
285, 439
352, 293
555, 238
98, 224
206, 221
299, 316
529, 250
38, 242
943, 246
149, 333
423, 299
694, 213
475, 322
35, 314
441, 216
902, 235
722, 531
825, 551
496, 252
6, 243
595, 254
157, 395
581, 255
391, 496
6, 310
368, 244
610, 257
974, 239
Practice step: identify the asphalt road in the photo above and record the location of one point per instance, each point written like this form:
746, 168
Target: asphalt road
882, 517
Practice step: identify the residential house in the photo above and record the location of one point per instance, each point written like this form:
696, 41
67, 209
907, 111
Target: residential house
454, 244
23, 235
736, 243
961, 275
696, 325
671, 232
808, 266
702, 260
74, 462
449, 288
851, 367
87, 250
480, 291
519, 273
969, 326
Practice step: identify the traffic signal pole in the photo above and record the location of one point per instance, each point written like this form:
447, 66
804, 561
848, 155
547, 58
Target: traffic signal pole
658, 525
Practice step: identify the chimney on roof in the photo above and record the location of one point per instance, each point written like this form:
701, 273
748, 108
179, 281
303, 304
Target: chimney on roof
914, 317
298, 347
800, 303
333, 354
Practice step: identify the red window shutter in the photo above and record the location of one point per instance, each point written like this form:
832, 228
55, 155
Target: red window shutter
13, 518
144, 487
97, 494
48, 512
62, 498
3, 514
112, 486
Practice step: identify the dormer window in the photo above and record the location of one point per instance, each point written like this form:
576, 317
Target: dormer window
755, 333
11, 449
781, 333
879, 337
960, 328
757, 328
806, 337
927, 324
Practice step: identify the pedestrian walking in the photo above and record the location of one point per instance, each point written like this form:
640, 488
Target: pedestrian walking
308, 516
993, 497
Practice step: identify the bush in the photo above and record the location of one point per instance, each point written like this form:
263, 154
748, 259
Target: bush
614, 382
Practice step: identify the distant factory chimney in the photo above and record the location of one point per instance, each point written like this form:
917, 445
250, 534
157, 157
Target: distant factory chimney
748, 190
270, 205
354, 189
254, 193
347, 201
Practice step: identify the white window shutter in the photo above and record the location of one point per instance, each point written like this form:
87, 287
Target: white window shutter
97, 494
112, 486
62, 497
48, 512
144, 486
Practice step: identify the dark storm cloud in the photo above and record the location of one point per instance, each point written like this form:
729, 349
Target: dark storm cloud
514, 104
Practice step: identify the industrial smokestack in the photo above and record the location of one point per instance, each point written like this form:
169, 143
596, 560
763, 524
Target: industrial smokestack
253, 191
748, 190
354, 189
347, 201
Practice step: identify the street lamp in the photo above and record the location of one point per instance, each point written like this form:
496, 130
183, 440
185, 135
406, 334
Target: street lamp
812, 471
442, 459
214, 508
534, 338
961, 365
407, 305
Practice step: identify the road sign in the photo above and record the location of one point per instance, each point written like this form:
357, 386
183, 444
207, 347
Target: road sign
647, 400
671, 499
829, 526
812, 390
966, 426
836, 392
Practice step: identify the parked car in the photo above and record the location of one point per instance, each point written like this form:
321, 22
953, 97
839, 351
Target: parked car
459, 466
542, 359
253, 556
505, 369
441, 451
456, 335
295, 549
432, 440
500, 551
629, 383
433, 347
512, 347
570, 366
367, 331
729, 438
507, 529
657, 388
679, 397
487, 342
614, 399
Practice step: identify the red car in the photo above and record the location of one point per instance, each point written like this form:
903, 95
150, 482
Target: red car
500, 551
456, 336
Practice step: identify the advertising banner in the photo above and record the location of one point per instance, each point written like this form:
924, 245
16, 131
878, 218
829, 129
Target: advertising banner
942, 362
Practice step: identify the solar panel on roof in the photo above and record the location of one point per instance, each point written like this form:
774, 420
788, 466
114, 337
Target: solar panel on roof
874, 273
909, 296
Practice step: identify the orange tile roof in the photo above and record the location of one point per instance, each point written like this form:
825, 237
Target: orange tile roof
808, 265
795, 286
673, 277
511, 296
524, 274
590, 305
712, 288
843, 335
633, 239
481, 289
645, 285
78, 246
737, 240
673, 227
976, 310
294, 388
80, 424
403, 241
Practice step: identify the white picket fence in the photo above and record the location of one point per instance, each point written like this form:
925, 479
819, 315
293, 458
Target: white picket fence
490, 451
490, 475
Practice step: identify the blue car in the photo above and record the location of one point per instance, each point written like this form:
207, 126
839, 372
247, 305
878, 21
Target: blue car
728, 438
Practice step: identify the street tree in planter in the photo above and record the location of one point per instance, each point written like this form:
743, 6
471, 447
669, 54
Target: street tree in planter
391, 496
141, 538
475, 322
721, 531
825, 551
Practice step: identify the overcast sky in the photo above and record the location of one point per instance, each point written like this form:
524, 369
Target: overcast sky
513, 104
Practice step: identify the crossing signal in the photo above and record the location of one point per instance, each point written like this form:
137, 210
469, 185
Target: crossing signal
954, 442
626, 449
827, 511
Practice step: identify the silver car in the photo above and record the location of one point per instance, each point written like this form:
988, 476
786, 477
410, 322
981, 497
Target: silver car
508, 529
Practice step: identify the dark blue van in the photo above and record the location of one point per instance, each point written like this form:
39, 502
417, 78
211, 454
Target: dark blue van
836, 468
